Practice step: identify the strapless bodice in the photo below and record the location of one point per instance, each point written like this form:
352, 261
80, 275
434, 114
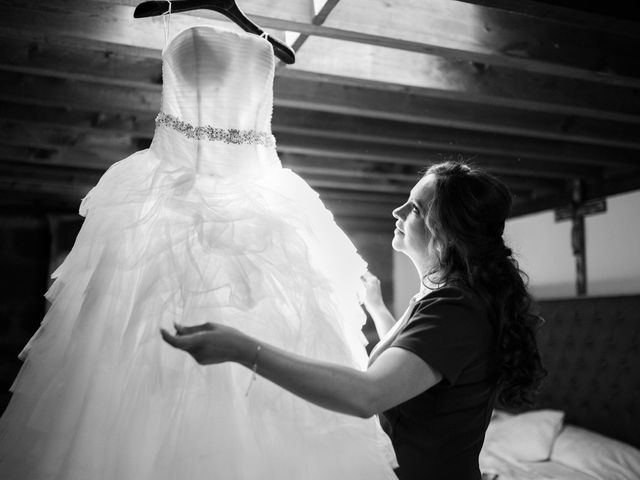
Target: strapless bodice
217, 99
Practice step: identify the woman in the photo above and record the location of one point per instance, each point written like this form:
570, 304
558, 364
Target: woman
467, 337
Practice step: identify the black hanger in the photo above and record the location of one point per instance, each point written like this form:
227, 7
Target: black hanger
228, 8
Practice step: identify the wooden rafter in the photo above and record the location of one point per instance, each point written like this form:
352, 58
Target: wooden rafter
325, 125
464, 80
534, 45
537, 96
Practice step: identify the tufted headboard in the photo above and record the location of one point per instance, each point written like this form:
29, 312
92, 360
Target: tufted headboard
591, 349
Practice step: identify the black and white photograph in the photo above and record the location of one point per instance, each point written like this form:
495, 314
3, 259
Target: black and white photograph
319, 240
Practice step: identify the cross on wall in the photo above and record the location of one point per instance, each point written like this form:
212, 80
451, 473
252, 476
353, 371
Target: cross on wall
577, 211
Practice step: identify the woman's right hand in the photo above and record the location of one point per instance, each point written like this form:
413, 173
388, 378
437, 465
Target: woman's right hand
208, 343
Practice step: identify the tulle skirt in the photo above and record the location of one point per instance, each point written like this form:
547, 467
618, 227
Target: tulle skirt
101, 396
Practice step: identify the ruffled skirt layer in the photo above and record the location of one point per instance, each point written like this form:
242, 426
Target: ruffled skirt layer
100, 396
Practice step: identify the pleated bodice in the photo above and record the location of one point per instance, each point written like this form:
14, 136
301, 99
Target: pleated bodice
217, 99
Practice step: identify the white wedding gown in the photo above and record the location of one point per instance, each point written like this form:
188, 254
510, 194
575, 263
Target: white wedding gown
205, 225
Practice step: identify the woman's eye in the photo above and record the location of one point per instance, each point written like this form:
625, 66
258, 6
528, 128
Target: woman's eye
415, 209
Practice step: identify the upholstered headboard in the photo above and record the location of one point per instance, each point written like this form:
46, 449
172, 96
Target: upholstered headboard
591, 348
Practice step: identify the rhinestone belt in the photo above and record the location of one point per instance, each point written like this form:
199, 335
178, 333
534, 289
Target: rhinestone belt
207, 132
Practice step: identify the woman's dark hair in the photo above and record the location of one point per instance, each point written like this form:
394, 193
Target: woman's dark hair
465, 221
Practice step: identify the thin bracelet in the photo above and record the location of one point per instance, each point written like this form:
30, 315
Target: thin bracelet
254, 369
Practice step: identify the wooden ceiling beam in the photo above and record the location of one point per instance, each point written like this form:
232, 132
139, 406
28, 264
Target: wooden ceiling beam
318, 19
456, 80
318, 96
562, 106
344, 196
61, 140
615, 185
341, 184
563, 15
355, 225
74, 61
73, 183
420, 158
17, 197
326, 93
321, 177
87, 161
108, 148
494, 37
455, 141
115, 146
139, 124
80, 95
435, 77
498, 38
377, 171
331, 126
93, 159
318, 168
40, 164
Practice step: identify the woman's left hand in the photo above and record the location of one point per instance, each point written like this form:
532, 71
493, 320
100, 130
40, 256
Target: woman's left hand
373, 292
208, 343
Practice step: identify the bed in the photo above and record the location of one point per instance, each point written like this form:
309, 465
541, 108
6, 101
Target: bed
586, 423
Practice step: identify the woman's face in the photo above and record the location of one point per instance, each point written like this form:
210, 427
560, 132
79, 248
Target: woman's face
411, 236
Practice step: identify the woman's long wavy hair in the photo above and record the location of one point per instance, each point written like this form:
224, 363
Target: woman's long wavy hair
465, 222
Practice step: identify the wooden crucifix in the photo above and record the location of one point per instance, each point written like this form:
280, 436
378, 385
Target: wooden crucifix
579, 209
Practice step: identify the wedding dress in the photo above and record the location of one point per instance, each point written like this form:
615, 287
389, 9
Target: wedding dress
205, 225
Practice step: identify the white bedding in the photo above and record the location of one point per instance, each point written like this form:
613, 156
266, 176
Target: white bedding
537, 445
507, 469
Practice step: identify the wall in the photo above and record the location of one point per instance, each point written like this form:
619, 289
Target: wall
543, 249
405, 283
32, 245
24, 256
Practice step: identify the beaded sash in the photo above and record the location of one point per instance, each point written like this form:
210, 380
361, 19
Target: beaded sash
207, 132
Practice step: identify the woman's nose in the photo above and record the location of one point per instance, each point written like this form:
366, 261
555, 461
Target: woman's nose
399, 212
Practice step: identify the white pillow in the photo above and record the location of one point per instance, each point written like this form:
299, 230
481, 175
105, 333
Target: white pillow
527, 437
595, 454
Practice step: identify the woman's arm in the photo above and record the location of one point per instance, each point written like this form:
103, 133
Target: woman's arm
373, 302
396, 376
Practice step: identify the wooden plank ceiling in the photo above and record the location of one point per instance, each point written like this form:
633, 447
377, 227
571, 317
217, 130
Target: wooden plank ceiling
539, 95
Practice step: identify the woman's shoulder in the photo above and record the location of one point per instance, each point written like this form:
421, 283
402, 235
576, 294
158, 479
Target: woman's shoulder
452, 293
451, 299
